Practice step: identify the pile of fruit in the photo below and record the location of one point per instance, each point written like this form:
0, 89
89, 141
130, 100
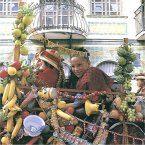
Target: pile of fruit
23, 20
13, 76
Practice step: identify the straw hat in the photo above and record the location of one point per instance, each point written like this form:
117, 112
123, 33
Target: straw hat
52, 57
140, 76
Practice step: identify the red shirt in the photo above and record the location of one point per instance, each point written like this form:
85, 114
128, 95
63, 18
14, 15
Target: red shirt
95, 79
48, 77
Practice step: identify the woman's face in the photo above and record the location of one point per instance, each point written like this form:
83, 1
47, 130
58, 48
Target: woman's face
140, 82
79, 66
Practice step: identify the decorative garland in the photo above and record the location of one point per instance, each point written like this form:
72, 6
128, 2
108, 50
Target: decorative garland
84, 96
59, 48
68, 137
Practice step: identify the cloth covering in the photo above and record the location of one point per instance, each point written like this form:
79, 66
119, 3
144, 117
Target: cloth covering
94, 79
48, 77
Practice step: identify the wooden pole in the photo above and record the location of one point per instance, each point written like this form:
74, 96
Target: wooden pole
125, 127
125, 40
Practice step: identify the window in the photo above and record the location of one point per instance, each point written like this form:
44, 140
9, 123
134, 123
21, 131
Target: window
58, 15
105, 7
8, 7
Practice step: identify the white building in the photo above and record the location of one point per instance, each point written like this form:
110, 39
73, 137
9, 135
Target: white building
97, 25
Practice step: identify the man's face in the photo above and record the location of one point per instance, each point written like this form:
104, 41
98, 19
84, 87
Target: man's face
140, 82
79, 66
39, 65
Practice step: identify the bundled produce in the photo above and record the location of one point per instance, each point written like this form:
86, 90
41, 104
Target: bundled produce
23, 20
126, 57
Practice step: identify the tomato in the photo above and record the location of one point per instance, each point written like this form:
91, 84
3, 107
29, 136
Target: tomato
26, 73
24, 114
69, 110
3, 73
16, 65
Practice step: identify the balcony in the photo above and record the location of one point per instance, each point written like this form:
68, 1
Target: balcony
140, 22
59, 19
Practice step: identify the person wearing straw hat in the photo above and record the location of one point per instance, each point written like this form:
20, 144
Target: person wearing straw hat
48, 67
140, 78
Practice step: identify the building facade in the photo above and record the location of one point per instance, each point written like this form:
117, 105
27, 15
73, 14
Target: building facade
98, 25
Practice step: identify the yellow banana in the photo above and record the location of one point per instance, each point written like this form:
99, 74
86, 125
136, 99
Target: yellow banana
17, 127
12, 89
5, 94
10, 124
15, 108
63, 115
11, 113
18, 92
11, 103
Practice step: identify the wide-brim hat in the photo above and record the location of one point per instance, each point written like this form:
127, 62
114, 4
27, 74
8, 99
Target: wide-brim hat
52, 57
140, 77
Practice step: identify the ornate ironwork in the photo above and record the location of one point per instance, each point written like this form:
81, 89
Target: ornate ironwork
60, 16
140, 19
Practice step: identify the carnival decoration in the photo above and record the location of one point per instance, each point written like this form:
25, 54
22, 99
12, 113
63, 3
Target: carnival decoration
61, 124
52, 45
23, 20
90, 108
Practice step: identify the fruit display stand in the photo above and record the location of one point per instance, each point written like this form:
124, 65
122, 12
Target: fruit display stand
70, 116
23, 20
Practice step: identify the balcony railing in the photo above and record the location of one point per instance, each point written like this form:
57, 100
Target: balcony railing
61, 17
140, 19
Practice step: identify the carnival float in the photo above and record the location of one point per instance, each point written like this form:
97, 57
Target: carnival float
39, 114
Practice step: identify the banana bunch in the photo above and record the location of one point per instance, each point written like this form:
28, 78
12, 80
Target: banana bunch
10, 98
10, 94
